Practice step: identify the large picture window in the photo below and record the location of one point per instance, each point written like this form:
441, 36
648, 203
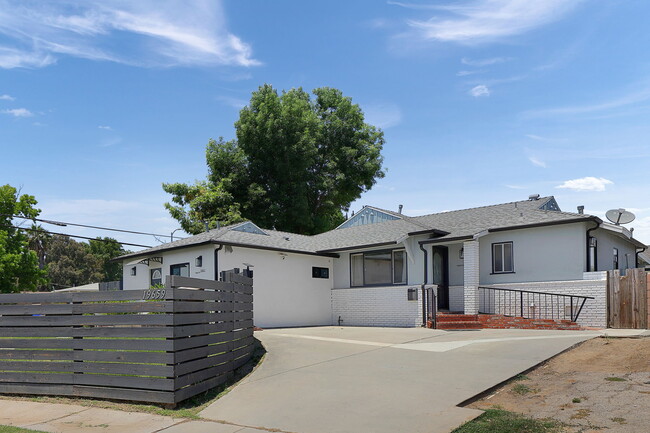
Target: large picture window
502, 258
376, 268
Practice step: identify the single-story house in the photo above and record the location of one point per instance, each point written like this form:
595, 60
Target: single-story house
366, 271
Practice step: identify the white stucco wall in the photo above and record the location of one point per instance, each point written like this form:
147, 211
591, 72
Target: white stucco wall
185, 255
284, 292
376, 306
552, 253
607, 241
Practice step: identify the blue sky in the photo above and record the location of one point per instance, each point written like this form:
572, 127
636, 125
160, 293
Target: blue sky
481, 101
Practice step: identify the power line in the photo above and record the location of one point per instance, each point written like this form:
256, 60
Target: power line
63, 224
83, 237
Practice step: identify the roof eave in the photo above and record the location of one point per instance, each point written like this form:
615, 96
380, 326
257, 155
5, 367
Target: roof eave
546, 223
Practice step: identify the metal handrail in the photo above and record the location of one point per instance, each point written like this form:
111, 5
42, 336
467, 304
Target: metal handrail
530, 304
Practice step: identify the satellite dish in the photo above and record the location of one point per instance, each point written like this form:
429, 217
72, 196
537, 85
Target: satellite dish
620, 216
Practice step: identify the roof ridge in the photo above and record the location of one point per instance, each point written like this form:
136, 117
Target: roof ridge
489, 205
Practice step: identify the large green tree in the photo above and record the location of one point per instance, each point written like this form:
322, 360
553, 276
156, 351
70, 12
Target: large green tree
297, 163
106, 249
71, 263
19, 267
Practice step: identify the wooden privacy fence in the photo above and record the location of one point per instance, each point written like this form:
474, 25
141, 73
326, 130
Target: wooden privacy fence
628, 299
161, 345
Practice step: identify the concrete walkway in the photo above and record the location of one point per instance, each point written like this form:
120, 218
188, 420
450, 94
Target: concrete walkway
376, 380
334, 379
66, 418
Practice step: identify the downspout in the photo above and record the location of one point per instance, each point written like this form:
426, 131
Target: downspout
425, 281
595, 249
216, 262
636, 256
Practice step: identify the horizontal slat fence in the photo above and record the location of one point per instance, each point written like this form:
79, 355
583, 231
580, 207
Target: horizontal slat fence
161, 345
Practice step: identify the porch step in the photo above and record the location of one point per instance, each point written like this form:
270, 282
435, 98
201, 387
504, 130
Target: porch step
459, 325
451, 317
457, 321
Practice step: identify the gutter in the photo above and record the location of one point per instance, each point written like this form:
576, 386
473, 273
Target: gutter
438, 241
548, 223
356, 247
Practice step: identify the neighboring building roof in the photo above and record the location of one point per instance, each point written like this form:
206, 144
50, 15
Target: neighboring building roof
459, 224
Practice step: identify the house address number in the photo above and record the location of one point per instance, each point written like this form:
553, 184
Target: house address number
154, 294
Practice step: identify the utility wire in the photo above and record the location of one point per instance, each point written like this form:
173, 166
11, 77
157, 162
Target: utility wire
82, 237
62, 223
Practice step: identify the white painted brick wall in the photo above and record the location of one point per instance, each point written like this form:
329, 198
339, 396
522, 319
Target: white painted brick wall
471, 277
594, 312
376, 306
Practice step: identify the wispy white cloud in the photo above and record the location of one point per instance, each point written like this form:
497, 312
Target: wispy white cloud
535, 137
466, 73
515, 186
488, 20
383, 115
161, 33
107, 128
480, 90
639, 95
536, 161
18, 112
7, 98
237, 103
586, 184
484, 62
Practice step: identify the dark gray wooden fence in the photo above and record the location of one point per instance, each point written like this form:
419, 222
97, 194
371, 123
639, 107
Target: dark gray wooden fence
161, 346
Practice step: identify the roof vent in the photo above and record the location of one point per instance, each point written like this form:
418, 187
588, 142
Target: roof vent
581, 210
533, 197
400, 208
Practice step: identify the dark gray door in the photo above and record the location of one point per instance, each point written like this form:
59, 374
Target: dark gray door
440, 267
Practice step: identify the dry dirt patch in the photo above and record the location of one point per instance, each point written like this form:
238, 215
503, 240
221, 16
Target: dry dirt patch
601, 385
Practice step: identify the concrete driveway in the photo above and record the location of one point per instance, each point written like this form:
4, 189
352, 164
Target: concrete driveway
375, 380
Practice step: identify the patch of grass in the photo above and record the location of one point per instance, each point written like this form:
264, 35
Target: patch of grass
615, 379
501, 421
619, 420
581, 414
11, 429
522, 389
576, 400
521, 377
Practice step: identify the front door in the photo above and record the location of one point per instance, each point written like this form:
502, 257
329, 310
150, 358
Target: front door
440, 259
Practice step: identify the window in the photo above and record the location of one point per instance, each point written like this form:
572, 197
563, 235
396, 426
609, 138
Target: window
317, 272
182, 269
502, 258
156, 276
376, 268
615, 254
134, 271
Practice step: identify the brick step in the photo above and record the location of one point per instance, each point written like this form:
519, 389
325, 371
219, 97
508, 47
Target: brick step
459, 325
457, 317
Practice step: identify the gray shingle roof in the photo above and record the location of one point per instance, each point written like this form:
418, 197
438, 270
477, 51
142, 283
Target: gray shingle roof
459, 223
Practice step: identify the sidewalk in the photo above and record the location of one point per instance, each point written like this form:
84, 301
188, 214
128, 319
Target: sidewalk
65, 418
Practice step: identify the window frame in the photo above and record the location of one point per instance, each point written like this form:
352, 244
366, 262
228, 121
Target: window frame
320, 272
503, 257
180, 264
151, 271
392, 267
